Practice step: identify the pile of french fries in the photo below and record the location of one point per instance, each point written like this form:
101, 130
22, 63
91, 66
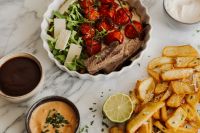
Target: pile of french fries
167, 100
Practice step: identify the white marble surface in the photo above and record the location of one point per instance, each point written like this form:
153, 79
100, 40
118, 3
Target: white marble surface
20, 31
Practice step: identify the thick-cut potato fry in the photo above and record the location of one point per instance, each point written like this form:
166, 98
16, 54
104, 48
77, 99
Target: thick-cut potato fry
161, 87
192, 100
166, 67
194, 62
177, 118
116, 129
160, 61
145, 89
180, 51
176, 74
154, 75
175, 100
156, 115
181, 88
144, 128
160, 126
134, 99
164, 114
166, 95
183, 61
185, 130
197, 68
150, 125
143, 116
196, 80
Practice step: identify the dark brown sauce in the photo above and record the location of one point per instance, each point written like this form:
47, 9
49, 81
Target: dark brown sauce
19, 76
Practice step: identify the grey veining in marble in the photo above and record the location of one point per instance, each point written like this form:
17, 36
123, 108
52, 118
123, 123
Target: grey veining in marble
20, 31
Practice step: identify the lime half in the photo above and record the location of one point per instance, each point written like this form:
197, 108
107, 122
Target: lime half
118, 108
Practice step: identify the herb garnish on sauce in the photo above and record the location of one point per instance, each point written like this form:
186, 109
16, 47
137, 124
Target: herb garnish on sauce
56, 120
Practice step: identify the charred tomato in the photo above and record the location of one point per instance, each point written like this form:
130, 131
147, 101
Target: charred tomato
104, 23
86, 3
87, 31
108, 10
114, 36
106, 1
132, 30
122, 16
93, 46
91, 14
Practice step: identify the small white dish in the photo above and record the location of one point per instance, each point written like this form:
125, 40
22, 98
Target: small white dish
17, 99
140, 9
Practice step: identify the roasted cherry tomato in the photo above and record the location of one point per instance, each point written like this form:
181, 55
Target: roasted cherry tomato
104, 23
86, 3
93, 46
122, 16
114, 36
132, 30
87, 31
91, 14
107, 1
108, 10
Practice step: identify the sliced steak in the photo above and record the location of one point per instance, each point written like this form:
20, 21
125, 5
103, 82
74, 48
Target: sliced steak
112, 55
132, 49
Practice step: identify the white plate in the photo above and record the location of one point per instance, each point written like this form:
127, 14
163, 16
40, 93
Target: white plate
55, 5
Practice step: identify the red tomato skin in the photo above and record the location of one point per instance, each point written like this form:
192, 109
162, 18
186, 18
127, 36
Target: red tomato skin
86, 3
108, 10
104, 23
93, 46
114, 36
91, 14
122, 16
130, 30
107, 1
87, 31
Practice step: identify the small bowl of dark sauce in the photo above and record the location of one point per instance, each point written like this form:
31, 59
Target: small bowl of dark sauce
21, 76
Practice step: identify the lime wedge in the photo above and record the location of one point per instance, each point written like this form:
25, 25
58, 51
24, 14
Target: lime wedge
118, 108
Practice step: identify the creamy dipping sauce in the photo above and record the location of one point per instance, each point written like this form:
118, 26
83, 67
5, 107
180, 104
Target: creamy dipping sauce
186, 11
53, 117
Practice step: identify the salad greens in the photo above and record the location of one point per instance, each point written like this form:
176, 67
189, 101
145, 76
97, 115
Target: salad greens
73, 19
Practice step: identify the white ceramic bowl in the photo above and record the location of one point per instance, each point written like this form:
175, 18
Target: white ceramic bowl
55, 5
17, 99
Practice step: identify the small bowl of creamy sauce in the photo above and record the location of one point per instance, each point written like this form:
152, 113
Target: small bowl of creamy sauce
53, 114
184, 11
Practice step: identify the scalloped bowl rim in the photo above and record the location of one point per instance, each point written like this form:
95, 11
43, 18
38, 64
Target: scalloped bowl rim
85, 76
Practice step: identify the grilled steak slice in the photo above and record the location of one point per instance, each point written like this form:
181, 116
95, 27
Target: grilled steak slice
132, 49
111, 55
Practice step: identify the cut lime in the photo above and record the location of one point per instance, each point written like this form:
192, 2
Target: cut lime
118, 108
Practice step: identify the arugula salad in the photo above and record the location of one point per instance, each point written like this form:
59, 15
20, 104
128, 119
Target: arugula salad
80, 33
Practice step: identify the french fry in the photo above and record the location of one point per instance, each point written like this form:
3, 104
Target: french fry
197, 68
180, 51
143, 116
156, 115
190, 112
185, 130
134, 99
166, 67
176, 74
145, 89
192, 100
194, 62
161, 87
183, 61
196, 80
155, 75
166, 95
116, 129
150, 125
175, 100
160, 126
177, 118
144, 128
164, 114
181, 88
160, 61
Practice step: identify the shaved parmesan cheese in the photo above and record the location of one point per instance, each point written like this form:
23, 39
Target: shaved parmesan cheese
65, 6
74, 51
63, 39
59, 24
